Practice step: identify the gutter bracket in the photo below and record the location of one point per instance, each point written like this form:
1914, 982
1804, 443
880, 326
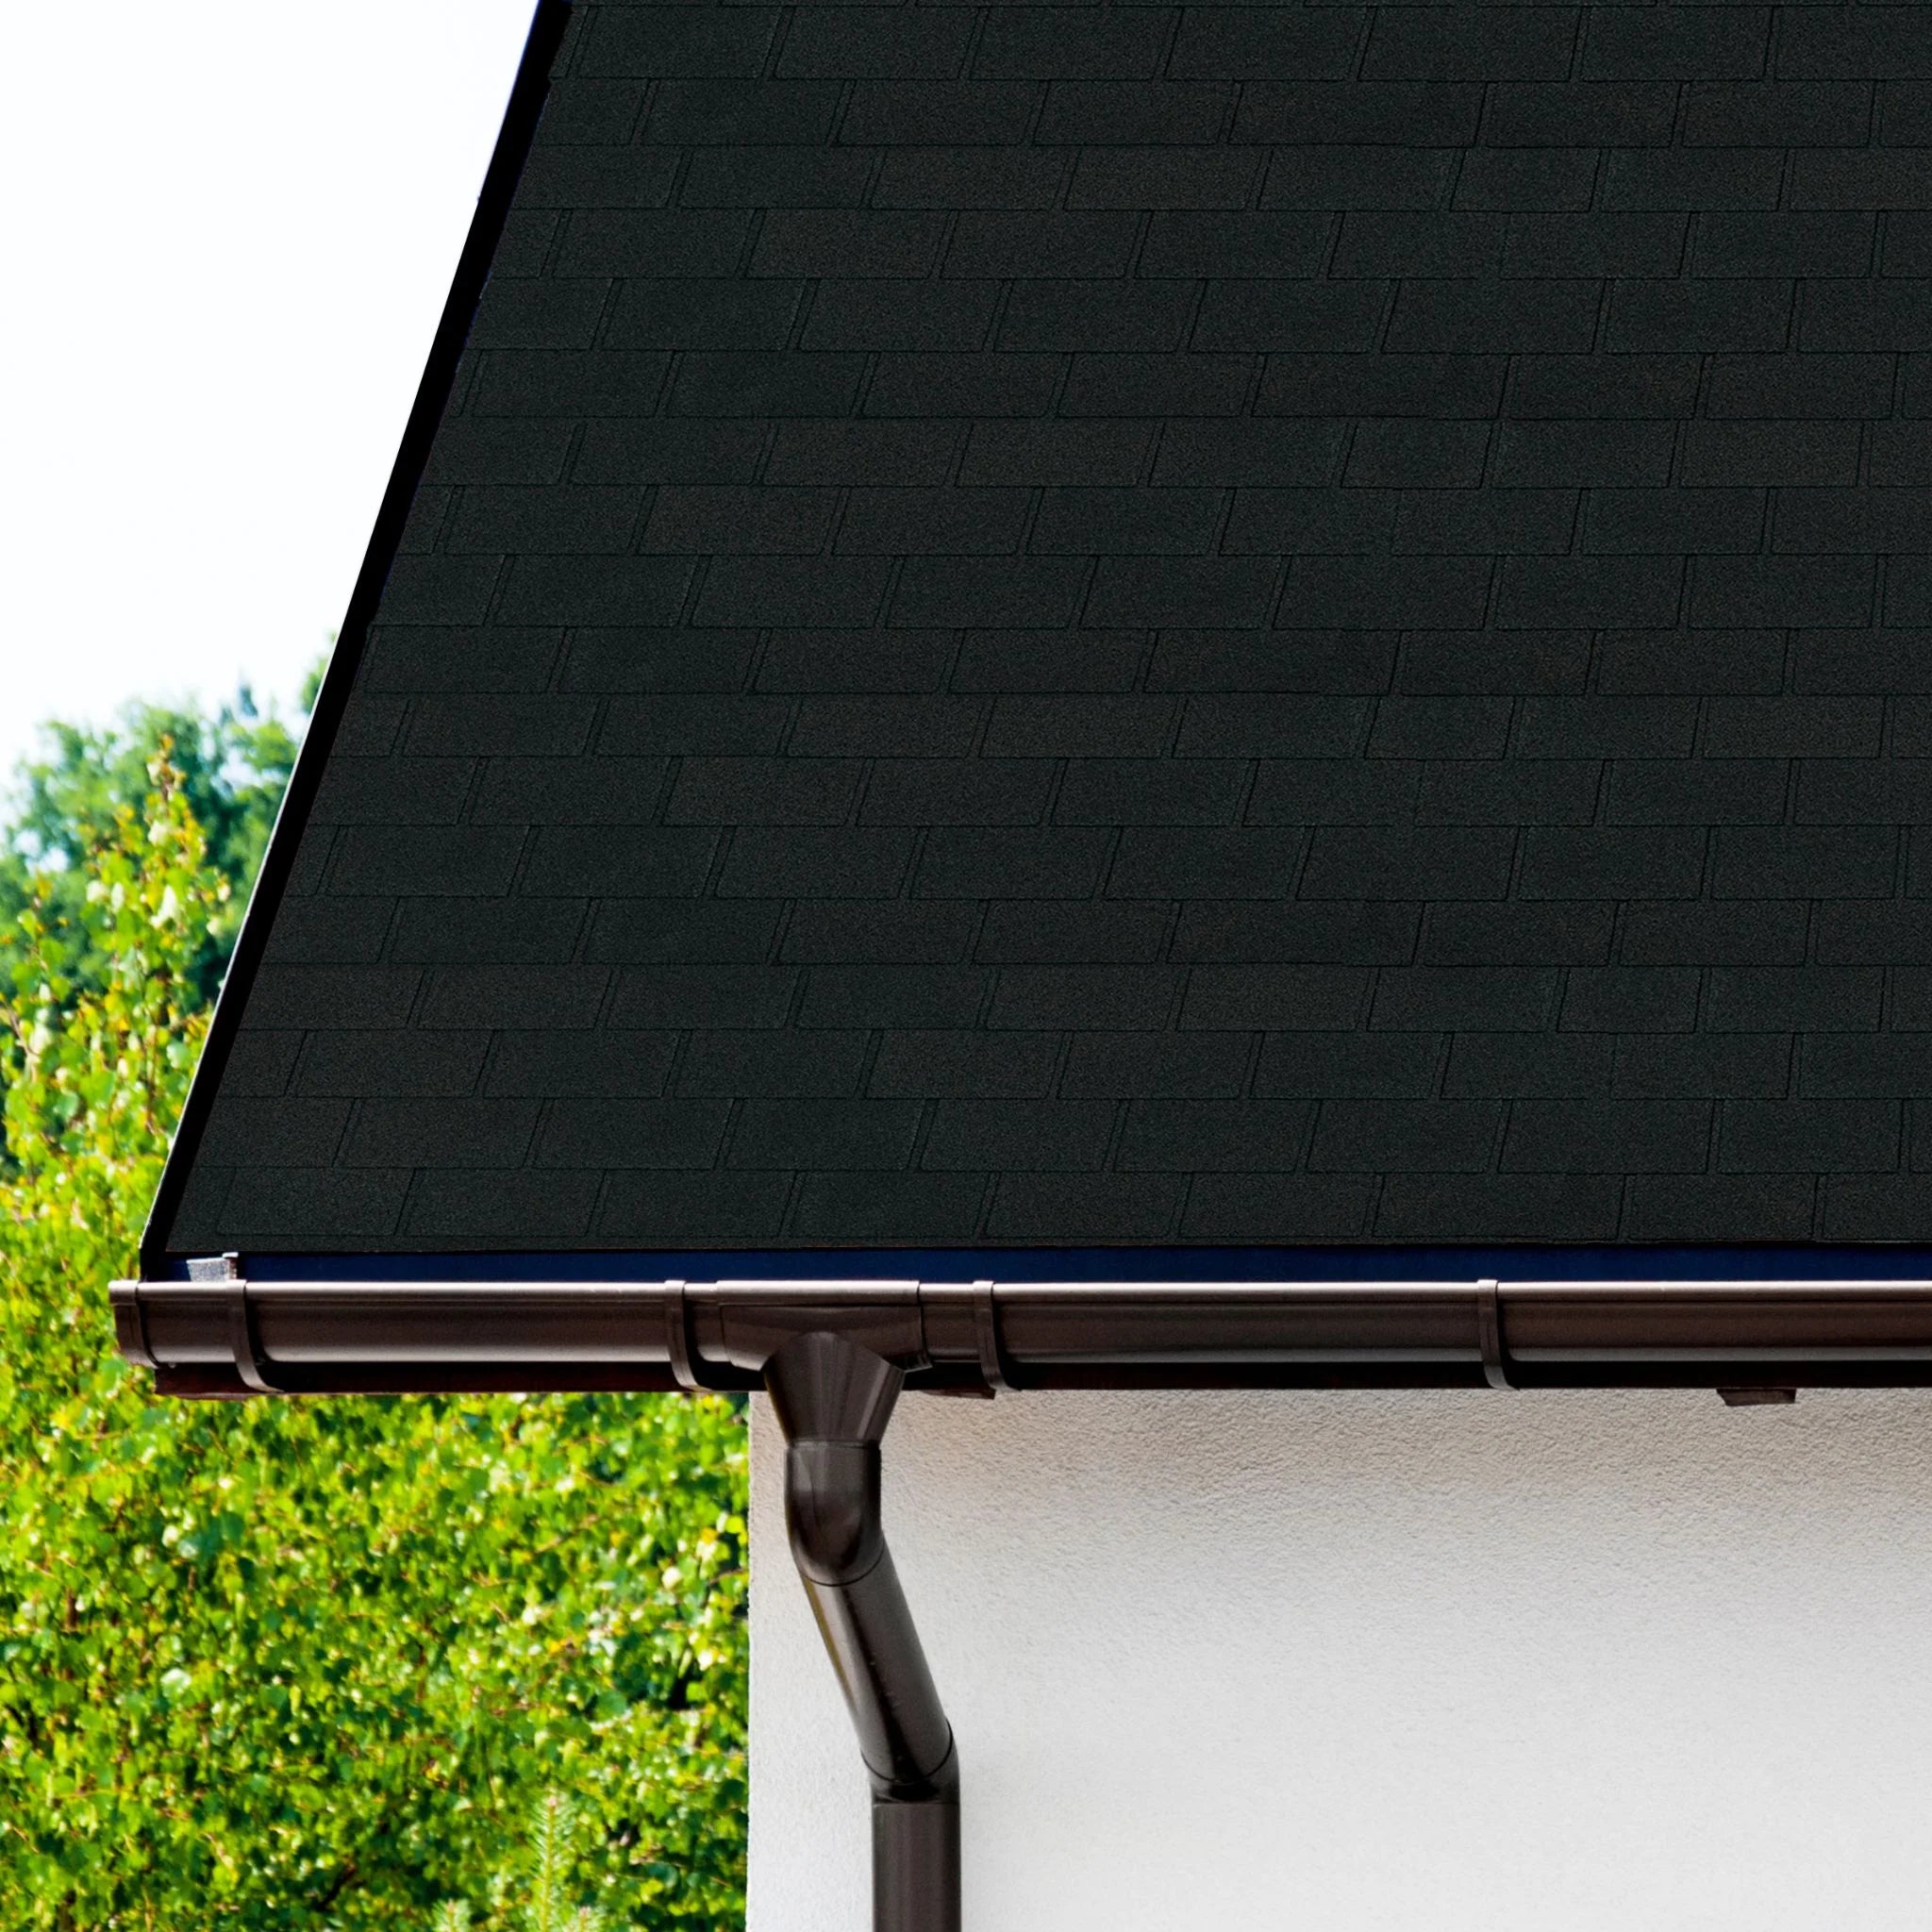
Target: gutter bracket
834, 1399
1489, 1335
680, 1344
994, 1370
242, 1340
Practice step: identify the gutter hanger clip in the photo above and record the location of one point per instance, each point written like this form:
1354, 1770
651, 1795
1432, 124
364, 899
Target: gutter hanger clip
250, 1364
1489, 1335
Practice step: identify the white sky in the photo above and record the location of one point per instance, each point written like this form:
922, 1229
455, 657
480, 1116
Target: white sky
228, 230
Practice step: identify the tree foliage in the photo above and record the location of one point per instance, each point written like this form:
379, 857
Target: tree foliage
232, 766
309, 1663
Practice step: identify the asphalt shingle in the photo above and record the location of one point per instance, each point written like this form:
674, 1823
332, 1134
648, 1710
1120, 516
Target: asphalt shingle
1068, 626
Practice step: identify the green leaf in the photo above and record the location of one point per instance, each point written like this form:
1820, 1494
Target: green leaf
281, 1665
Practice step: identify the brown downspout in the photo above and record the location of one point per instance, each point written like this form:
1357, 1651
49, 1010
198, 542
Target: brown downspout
833, 1400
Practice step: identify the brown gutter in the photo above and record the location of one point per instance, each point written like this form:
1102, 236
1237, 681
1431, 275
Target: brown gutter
229, 1335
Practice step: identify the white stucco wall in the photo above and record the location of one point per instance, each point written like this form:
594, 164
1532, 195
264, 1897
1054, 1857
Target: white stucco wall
1339, 1664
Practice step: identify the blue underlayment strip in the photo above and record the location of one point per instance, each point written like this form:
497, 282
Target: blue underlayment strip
1767, 1262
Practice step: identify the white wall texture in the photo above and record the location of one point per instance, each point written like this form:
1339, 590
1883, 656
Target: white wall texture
1422, 1662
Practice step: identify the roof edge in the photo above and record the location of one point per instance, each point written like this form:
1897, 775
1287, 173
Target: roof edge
513, 142
1363, 1262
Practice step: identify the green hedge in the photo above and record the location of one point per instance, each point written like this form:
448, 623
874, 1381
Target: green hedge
309, 1663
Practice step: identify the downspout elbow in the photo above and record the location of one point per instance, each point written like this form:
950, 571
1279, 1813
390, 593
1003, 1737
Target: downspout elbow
832, 1510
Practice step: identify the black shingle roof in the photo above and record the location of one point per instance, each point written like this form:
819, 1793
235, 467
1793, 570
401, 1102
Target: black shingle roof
1096, 624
